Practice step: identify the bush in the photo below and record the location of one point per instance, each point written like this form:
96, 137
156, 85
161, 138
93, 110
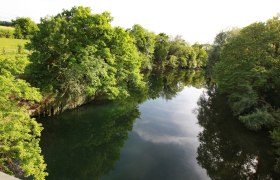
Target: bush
6, 33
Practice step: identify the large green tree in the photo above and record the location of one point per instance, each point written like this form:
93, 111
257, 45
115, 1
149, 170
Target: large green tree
24, 28
77, 53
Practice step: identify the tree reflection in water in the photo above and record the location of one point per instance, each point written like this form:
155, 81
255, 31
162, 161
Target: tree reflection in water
85, 143
227, 149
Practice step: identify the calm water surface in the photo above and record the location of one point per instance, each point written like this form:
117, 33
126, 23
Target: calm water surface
163, 141
175, 130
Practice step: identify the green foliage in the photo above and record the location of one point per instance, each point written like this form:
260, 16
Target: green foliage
257, 119
6, 32
200, 54
248, 71
162, 45
145, 43
77, 53
215, 50
19, 150
248, 68
177, 53
180, 53
24, 28
6, 23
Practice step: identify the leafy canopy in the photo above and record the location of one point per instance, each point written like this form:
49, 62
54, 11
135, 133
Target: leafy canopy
20, 153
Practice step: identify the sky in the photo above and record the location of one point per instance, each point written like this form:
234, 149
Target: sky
195, 20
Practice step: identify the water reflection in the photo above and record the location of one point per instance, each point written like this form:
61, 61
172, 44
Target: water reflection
154, 135
227, 150
86, 143
163, 143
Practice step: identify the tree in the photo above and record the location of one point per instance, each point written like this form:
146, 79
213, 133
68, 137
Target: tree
20, 153
201, 55
24, 28
215, 50
179, 53
248, 73
161, 49
77, 56
145, 43
244, 73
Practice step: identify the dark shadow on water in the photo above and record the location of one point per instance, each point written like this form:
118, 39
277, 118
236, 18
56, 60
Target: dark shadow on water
85, 143
227, 149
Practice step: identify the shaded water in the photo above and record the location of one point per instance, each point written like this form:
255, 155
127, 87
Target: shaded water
173, 129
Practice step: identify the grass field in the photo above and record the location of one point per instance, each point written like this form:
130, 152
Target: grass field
9, 47
7, 28
6, 32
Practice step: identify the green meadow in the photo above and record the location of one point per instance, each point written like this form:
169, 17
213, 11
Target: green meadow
11, 47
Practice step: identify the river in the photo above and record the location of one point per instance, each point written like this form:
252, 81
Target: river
177, 129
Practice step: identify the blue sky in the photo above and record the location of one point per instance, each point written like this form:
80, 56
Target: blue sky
195, 20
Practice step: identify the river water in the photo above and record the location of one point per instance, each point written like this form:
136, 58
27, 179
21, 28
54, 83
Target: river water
178, 129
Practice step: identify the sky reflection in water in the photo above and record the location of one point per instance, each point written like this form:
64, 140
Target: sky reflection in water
163, 142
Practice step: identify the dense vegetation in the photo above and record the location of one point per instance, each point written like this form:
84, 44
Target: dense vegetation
247, 70
6, 32
20, 28
78, 56
19, 134
75, 57
24, 28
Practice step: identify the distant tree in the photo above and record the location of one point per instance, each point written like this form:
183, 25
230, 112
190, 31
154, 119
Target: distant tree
6, 23
24, 28
182, 55
201, 55
161, 49
145, 43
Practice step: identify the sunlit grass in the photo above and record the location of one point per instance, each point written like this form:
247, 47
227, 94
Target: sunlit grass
7, 28
10, 47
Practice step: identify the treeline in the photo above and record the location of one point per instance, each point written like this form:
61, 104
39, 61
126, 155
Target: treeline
20, 28
163, 52
6, 23
245, 64
75, 57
